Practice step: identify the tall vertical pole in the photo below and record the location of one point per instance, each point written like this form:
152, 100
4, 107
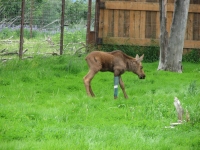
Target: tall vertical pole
88, 23
31, 19
96, 27
22, 30
62, 27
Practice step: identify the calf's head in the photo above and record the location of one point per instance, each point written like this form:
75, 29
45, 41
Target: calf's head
138, 68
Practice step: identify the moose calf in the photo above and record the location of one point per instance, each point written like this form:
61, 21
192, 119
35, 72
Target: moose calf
116, 62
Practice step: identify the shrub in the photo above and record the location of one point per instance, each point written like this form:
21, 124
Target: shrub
27, 34
192, 56
151, 52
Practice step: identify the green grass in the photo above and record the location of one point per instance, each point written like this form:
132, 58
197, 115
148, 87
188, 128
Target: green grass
44, 106
38, 45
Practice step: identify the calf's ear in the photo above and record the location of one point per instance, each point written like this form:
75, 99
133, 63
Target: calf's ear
139, 59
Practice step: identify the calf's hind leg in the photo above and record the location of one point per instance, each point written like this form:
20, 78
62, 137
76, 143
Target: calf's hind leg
87, 81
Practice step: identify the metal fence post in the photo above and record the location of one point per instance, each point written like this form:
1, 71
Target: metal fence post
62, 27
88, 24
31, 19
22, 30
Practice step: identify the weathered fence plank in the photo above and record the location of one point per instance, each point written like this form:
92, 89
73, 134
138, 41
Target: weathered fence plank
110, 22
116, 19
129, 5
101, 24
105, 23
132, 24
121, 23
142, 24
189, 30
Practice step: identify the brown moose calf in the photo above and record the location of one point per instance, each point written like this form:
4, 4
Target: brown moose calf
116, 62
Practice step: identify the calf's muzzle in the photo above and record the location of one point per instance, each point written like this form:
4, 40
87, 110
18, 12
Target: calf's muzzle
142, 76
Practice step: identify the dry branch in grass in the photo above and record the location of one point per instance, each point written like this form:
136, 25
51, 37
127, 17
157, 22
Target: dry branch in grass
9, 53
78, 51
179, 109
53, 53
3, 50
9, 40
5, 53
48, 39
5, 60
180, 114
75, 48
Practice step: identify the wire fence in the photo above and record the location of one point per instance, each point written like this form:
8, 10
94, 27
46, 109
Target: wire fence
42, 18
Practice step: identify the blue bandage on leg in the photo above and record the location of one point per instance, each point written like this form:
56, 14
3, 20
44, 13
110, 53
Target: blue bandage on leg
116, 82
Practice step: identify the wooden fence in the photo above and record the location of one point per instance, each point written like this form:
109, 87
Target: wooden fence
137, 22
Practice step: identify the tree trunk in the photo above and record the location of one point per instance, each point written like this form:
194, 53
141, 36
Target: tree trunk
177, 34
163, 34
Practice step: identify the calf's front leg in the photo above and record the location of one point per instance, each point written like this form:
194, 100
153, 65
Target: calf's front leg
122, 86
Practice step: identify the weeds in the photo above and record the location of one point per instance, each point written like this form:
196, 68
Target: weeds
192, 89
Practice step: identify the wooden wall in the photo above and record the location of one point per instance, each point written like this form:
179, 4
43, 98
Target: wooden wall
137, 22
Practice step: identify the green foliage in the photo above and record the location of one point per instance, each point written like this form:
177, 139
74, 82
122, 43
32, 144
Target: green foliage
75, 37
6, 33
27, 34
192, 56
76, 11
74, 65
44, 12
11, 9
151, 53
192, 89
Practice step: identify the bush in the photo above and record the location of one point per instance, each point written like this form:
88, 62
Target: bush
151, 53
193, 56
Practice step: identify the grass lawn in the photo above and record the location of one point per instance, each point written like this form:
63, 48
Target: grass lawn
44, 106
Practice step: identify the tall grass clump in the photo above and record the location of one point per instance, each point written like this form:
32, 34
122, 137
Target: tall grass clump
7, 33
15, 33
192, 89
